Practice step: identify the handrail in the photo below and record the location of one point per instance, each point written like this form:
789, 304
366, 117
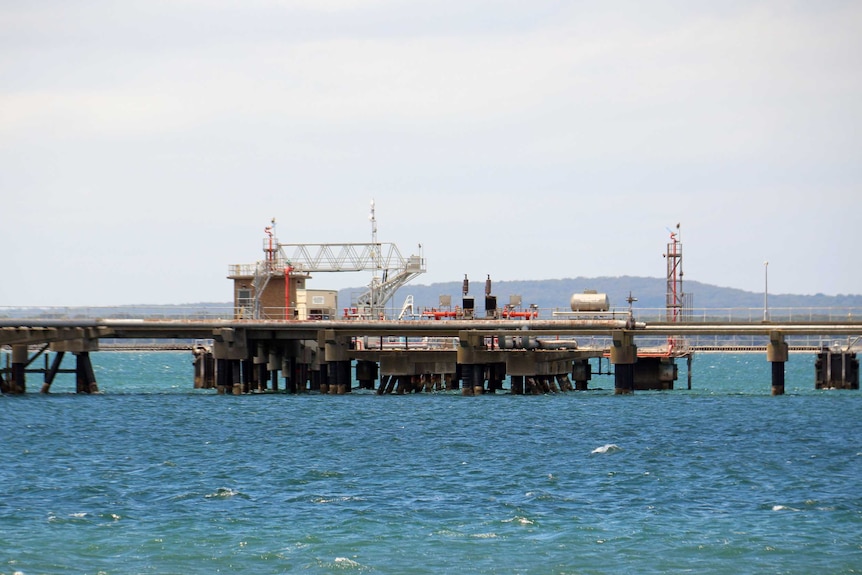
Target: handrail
646, 315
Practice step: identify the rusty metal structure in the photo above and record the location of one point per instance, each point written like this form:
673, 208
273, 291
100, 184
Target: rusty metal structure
271, 283
678, 302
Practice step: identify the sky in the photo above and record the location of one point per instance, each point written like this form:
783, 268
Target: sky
145, 145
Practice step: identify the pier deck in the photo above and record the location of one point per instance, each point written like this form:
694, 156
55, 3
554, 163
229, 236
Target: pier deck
249, 354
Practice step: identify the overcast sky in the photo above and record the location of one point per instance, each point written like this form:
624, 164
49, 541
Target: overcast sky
145, 145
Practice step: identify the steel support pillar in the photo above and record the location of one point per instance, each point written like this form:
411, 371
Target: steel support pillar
84, 375
288, 370
248, 375
366, 373
836, 369
204, 365
777, 354
323, 378
273, 365
52, 372
478, 379
518, 385
624, 355
223, 375
17, 379
340, 381
688, 368
581, 373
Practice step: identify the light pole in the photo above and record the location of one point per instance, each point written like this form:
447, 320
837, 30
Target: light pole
766, 291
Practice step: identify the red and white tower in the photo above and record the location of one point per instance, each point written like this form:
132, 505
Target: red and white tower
675, 295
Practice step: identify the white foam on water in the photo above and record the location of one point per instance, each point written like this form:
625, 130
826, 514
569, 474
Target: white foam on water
519, 520
607, 448
222, 492
346, 563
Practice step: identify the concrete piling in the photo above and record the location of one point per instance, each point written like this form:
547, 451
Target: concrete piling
623, 357
517, 384
581, 373
836, 369
236, 376
204, 368
466, 380
655, 373
366, 373
248, 357
777, 355
221, 376
52, 372
18, 379
84, 374
478, 379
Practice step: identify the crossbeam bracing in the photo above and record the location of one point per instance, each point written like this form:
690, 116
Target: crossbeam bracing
352, 257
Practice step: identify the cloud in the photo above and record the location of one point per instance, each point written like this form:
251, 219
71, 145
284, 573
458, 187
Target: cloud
587, 127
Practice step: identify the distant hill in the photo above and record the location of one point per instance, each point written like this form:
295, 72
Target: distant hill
547, 294
650, 293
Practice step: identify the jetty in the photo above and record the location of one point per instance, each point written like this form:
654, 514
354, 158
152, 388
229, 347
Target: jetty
403, 356
279, 335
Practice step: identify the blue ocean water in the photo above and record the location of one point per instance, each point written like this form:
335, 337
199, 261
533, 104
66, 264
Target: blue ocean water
155, 477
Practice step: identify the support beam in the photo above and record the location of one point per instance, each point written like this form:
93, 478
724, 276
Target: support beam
624, 355
624, 378
261, 373
52, 372
466, 379
343, 384
366, 373
273, 365
836, 369
777, 354
323, 378
248, 375
204, 365
288, 370
582, 373
496, 375
17, 379
84, 374
517, 384
655, 373
222, 375
688, 368
478, 379
236, 375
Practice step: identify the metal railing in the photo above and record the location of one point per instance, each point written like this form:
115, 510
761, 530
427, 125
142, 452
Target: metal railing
149, 312
227, 311
753, 315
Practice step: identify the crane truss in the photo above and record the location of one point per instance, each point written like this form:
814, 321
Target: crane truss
342, 257
391, 269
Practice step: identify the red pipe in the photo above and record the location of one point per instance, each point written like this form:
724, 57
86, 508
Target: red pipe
531, 314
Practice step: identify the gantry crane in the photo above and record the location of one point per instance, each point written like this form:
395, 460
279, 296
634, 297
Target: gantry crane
390, 270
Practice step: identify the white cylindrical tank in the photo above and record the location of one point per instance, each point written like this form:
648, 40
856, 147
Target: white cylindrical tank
590, 301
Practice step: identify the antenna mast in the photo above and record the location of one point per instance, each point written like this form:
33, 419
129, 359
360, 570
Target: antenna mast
272, 246
675, 295
375, 258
